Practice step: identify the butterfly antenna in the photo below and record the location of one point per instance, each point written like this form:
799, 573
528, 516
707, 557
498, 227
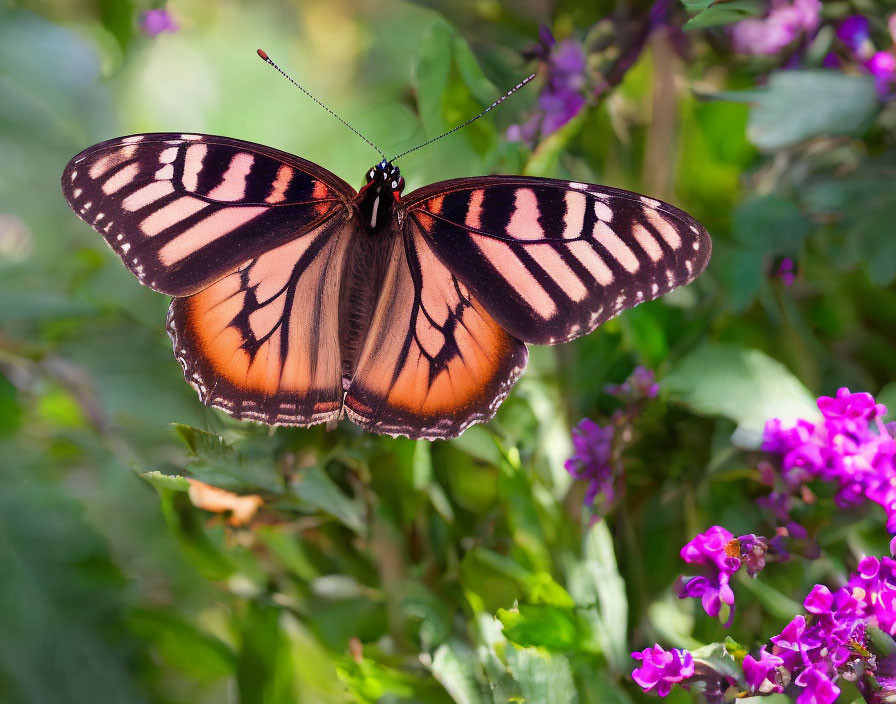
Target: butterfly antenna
472, 119
263, 54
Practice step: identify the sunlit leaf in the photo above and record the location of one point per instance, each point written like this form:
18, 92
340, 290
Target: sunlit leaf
797, 105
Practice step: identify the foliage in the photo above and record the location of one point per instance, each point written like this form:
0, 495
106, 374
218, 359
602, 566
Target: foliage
372, 569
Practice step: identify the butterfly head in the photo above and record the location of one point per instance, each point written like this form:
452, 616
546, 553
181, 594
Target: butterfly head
387, 177
376, 199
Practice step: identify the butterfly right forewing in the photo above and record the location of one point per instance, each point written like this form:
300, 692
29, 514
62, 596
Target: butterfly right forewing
551, 260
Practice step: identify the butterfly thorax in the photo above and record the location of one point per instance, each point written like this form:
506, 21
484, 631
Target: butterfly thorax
377, 199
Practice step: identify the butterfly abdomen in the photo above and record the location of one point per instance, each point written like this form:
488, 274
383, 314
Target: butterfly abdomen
365, 267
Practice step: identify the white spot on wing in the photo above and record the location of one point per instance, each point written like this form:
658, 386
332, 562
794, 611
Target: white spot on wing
650, 202
578, 186
603, 211
132, 140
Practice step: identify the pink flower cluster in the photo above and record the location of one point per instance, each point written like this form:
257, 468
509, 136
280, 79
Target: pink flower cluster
783, 23
851, 447
812, 651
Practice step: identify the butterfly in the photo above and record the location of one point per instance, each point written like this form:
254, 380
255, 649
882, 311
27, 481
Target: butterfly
297, 300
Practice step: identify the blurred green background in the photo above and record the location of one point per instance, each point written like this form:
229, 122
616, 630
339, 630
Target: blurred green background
383, 569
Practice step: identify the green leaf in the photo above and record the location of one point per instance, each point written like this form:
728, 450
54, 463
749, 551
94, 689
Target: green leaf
221, 465
771, 225
169, 482
318, 490
453, 666
797, 105
183, 645
542, 677
719, 13
555, 628
864, 207
369, 681
599, 592
434, 615
747, 386
774, 601
715, 657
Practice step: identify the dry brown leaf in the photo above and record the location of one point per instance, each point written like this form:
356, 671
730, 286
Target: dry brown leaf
211, 498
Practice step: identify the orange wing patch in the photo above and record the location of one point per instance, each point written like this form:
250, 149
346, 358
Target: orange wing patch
434, 361
262, 343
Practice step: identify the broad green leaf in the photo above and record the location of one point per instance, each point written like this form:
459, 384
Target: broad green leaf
599, 592
770, 224
433, 614
183, 645
719, 13
555, 628
369, 681
863, 205
454, 665
317, 489
542, 677
716, 658
747, 386
221, 465
797, 105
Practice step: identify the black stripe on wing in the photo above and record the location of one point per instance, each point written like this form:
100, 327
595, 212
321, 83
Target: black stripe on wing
551, 260
182, 210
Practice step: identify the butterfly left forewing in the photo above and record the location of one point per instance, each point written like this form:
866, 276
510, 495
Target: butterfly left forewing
551, 260
434, 361
183, 210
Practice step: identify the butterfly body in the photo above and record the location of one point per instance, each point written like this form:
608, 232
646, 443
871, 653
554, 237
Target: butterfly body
376, 201
297, 300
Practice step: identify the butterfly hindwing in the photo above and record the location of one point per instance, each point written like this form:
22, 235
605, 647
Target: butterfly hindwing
183, 210
551, 260
262, 343
434, 360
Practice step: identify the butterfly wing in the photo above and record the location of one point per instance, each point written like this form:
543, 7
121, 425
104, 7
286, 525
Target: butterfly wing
262, 343
434, 361
551, 260
184, 210
251, 241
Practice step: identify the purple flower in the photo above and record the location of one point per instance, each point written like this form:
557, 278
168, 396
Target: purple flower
593, 446
855, 33
819, 600
154, 22
850, 447
563, 94
710, 550
787, 271
660, 669
640, 384
882, 66
778, 29
885, 675
761, 675
817, 688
